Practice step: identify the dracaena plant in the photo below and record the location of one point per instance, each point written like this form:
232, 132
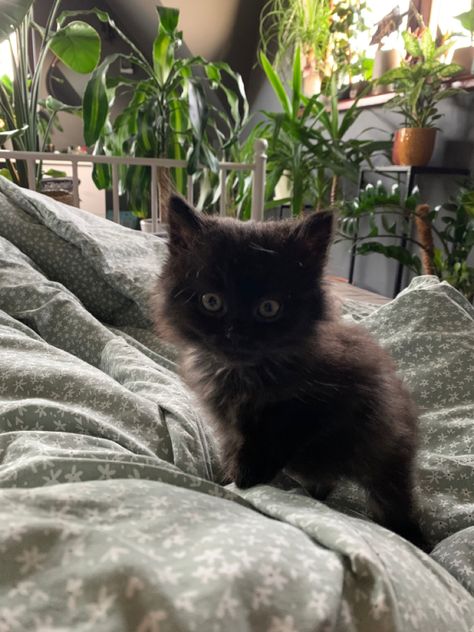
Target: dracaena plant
420, 82
310, 143
27, 120
179, 108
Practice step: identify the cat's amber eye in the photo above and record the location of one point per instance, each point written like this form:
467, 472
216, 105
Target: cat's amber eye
212, 302
269, 308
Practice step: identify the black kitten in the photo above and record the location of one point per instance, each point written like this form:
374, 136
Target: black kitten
287, 385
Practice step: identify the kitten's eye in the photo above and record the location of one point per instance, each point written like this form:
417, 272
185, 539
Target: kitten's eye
212, 302
268, 308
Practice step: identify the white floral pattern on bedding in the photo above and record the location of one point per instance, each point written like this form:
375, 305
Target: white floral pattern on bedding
112, 515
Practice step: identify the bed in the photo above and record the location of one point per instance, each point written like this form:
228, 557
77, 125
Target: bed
112, 512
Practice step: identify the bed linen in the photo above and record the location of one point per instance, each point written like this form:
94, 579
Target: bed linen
113, 516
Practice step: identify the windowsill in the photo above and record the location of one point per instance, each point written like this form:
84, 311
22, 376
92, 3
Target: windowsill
372, 100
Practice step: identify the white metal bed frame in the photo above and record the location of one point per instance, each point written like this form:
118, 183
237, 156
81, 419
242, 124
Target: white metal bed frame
257, 168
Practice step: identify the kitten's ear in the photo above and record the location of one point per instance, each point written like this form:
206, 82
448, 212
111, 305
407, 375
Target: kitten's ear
315, 234
185, 224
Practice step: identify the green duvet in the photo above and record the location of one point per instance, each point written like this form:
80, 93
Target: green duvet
111, 510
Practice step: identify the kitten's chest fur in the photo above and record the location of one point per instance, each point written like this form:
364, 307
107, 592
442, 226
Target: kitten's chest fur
229, 388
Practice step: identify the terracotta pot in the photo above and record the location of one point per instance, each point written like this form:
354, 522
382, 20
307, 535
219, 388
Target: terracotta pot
413, 146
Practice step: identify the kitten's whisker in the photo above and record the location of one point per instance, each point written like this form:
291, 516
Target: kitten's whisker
178, 294
193, 294
260, 248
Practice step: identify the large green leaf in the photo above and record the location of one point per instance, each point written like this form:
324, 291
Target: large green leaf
297, 82
166, 39
96, 101
168, 19
467, 20
77, 45
276, 83
412, 45
12, 13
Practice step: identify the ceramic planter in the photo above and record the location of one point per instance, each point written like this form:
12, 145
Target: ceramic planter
413, 146
161, 229
384, 61
465, 58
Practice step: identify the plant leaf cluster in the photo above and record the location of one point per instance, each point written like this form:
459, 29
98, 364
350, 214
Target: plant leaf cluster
309, 141
420, 82
378, 215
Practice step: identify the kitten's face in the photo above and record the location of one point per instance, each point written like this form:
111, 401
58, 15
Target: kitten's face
243, 291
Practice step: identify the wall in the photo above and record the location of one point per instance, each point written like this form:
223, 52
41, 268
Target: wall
454, 148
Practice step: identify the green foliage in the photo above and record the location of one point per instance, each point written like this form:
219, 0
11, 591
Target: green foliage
171, 111
420, 81
457, 241
467, 20
77, 45
29, 120
377, 214
288, 25
309, 143
323, 30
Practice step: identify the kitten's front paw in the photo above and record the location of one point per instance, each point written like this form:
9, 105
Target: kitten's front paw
245, 478
256, 472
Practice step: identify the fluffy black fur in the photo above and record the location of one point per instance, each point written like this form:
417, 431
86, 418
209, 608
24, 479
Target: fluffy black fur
302, 391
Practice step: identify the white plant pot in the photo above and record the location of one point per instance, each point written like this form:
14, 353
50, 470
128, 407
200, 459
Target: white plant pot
384, 60
146, 226
161, 229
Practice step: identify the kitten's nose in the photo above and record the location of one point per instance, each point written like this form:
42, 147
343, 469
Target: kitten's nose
229, 332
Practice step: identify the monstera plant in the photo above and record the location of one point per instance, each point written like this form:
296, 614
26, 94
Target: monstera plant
27, 120
180, 108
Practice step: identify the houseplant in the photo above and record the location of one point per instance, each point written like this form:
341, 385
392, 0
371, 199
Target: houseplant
288, 25
464, 56
323, 30
310, 144
29, 120
419, 85
180, 108
442, 243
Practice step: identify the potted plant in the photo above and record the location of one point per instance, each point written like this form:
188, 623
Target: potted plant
309, 143
323, 30
286, 26
419, 83
28, 120
387, 56
443, 241
465, 56
178, 108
